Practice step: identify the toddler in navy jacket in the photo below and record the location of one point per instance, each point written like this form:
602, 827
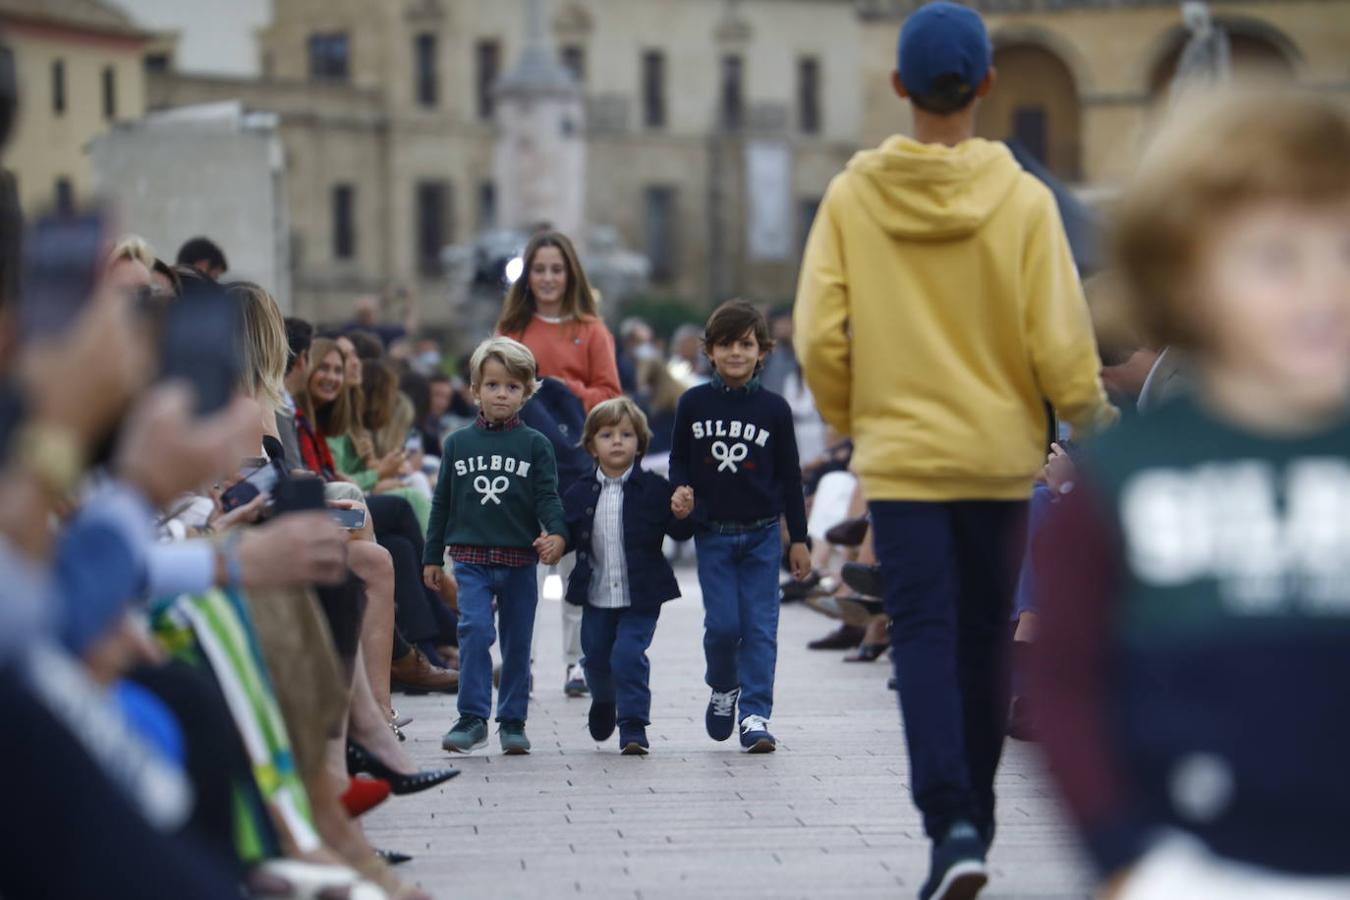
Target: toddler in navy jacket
618, 520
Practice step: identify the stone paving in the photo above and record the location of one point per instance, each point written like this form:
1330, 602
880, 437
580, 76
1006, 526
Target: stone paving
828, 815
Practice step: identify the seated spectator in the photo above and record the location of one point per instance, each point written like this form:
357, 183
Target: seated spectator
340, 422
367, 315
388, 420
688, 364
202, 255
423, 622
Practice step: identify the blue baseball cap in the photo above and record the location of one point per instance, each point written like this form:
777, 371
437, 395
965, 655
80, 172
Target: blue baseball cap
943, 39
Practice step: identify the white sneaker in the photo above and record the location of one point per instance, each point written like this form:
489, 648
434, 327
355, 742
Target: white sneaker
575, 685
755, 737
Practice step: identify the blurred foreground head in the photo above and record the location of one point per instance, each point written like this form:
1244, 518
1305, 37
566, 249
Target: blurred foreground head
1233, 242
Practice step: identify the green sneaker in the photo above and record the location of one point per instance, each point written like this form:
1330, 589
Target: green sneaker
512, 734
467, 735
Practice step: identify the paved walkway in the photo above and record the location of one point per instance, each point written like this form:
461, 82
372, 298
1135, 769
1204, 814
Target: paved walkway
828, 815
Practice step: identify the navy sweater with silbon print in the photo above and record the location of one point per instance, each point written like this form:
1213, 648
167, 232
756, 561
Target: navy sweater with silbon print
736, 448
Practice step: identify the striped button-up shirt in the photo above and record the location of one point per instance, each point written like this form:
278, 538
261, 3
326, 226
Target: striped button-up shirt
609, 568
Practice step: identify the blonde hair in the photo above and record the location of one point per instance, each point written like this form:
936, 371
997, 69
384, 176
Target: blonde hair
133, 247
338, 415
514, 356
578, 299
1221, 151
611, 413
394, 435
265, 347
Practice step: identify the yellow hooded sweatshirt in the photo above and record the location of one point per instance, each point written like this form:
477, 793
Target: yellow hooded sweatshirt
938, 310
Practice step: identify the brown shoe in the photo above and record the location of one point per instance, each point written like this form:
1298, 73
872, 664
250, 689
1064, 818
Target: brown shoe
848, 533
413, 673
842, 638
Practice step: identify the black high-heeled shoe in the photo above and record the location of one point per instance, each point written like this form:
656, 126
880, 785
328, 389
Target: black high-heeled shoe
359, 759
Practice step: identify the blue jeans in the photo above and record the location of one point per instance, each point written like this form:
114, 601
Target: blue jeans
738, 574
950, 570
517, 594
1038, 516
614, 643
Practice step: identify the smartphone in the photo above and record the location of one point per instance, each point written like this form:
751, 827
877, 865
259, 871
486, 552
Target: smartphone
299, 494
259, 480
201, 342
350, 519
60, 264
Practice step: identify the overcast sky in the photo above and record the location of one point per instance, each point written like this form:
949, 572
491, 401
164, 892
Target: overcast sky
215, 38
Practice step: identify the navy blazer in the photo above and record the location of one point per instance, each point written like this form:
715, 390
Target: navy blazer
647, 519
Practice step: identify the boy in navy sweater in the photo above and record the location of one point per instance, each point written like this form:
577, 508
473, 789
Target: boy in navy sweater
735, 448
498, 485
618, 521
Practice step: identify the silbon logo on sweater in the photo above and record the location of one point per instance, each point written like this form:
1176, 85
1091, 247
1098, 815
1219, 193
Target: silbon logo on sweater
493, 481
1274, 540
730, 454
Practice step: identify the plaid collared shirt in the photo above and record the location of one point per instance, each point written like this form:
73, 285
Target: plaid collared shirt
609, 570
515, 557
510, 424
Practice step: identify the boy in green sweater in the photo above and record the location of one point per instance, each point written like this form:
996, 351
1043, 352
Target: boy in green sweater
498, 485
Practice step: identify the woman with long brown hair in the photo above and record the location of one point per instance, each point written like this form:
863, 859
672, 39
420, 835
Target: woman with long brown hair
551, 309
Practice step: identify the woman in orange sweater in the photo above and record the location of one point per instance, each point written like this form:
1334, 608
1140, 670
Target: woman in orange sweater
551, 310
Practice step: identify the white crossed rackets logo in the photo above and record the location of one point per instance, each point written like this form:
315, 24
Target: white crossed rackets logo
490, 489
728, 456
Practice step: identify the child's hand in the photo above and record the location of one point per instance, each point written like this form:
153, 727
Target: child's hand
450, 591
799, 558
682, 502
550, 548
1059, 470
433, 577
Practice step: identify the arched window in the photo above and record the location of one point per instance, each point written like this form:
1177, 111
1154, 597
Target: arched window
1035, 103
1256, 50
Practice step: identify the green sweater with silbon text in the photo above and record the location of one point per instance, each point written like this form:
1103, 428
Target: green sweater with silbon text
497, 488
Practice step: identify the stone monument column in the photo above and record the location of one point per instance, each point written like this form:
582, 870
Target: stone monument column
539, 161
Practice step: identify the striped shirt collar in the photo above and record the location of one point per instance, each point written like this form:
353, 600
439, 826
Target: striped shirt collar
604, 479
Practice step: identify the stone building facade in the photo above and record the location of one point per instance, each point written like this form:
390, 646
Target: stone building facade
387, 114
1081, 80
712, 126
78, 64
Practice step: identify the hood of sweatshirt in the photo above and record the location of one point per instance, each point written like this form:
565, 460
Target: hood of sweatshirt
932, 191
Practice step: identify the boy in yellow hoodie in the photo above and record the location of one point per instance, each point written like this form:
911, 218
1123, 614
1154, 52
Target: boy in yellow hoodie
938, 311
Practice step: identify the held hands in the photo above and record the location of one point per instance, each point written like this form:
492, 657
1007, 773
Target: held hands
550, 548
433, 577
682, 502
1059, 473
799, 558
